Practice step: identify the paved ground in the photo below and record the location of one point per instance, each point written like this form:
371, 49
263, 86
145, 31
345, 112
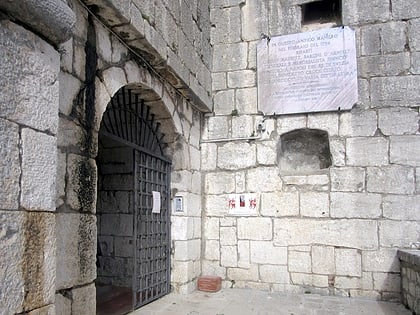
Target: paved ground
251, 302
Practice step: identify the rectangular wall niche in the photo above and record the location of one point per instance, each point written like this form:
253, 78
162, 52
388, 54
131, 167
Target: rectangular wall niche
307, 72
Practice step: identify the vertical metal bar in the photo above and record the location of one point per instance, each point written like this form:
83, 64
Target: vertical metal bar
135, 238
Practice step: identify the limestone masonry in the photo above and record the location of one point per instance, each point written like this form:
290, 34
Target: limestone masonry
105, 104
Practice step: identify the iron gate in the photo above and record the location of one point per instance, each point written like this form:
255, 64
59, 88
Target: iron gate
129, 121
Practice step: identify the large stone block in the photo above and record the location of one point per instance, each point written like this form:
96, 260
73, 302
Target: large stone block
358, 123
233, 156
405, 9
213, 268
398, 233
246, 101
266, 153
323, 260
242, 126
219, 183
384, 65
216, 127
187, 250
367, 151
395, 91
300, 261
263, 179
230, 57
280, 204
398, 121
393, 179
228, 256
216, 205
314, 204
348, 262
255, 229
383, 260
244, 254
182, 271
182, 227
39, 162
228, 236
62, 304
9, 165
387, 282
355, 205
76, 249
12, 238
414, 34
29, 82
226, 25
360, 11
224, 102
347, 179
81, 186
274, 274
324, 121
246, 274
264, 252
404, 208
361, 234
405, 150
84, 300
212, 250
241, 79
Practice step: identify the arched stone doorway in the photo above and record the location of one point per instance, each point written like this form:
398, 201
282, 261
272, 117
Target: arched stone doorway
133, 207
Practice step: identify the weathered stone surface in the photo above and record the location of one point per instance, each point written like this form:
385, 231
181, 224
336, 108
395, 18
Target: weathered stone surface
299, 261
255, 229
216, 128
392, 179
314, 204
398, 233
324, 121
246, 100
394, 64
401, 207
233, 156
39, 160
38, 258
405, 9
182, 271
228, 256
395, 91
360, 11
358, 123
254, 20
386, 282
266, 153
347, 179
224, 102
68, 94
280, 204
9, 165
230, 57
398, 121
228, 236
30, 69
62, 304
244, 254
263, 179
274, 274
367, 151
323, 260
187, 250
384, 260
212, 250
405, 150
316, 182
360, 234
247, 274
226, 25
219, 183
81, 188
241, 79
242, 126
46, 310
84, 300
338, 151
355, 205
348, 262
12, 248
264, 252
76, 249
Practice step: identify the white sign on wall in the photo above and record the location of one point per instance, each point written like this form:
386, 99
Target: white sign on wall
307, 72
242, 204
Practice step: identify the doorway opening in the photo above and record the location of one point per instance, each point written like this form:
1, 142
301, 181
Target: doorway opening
133, 214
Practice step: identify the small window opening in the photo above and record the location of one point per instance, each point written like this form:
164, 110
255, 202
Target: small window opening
324, 11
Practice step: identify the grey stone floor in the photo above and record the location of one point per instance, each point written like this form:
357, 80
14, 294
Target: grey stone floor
251, 302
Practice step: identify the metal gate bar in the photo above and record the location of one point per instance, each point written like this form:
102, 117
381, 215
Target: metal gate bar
152, 259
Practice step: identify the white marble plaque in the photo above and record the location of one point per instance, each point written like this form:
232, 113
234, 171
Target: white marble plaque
307, 72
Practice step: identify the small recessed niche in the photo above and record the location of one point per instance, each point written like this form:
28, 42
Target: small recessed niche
319, 12
304, 151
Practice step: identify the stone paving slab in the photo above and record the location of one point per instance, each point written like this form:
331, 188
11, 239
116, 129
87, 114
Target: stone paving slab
251, 302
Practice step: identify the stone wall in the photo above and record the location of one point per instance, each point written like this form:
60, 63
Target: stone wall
172, 36
410, 279
95, 64
332, 230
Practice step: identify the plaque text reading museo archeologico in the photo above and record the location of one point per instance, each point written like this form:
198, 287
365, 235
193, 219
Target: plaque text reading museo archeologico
307, 72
